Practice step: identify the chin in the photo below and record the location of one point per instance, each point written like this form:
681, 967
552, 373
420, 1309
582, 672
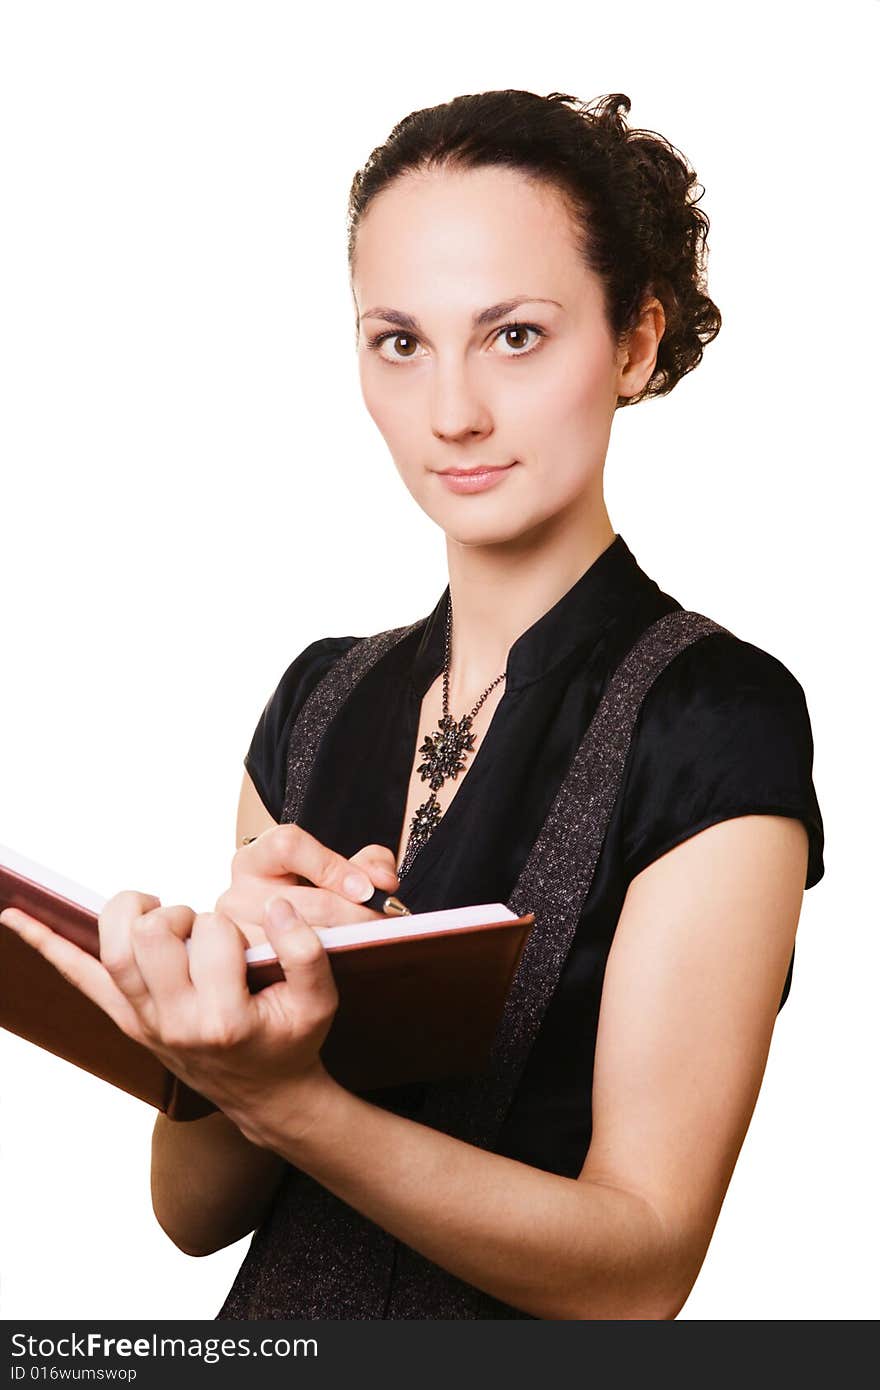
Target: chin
479, 520
484, 531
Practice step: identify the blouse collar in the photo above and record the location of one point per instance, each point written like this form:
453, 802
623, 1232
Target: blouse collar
575, 620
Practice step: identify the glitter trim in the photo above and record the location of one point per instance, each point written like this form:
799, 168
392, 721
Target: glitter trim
323, 703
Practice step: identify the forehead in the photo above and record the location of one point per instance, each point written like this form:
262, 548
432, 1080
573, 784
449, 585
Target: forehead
478, 230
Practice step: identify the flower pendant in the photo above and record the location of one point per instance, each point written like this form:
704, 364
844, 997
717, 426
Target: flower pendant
443, 754
443, 751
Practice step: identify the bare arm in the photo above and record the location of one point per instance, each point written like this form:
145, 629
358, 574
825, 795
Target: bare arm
210, 1185
689, 1003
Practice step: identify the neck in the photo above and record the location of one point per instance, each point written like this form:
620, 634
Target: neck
499, 591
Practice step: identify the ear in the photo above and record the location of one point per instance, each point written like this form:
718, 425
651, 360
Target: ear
637, 357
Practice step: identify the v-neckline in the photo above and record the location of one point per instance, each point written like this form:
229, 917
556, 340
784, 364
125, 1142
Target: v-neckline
434, 845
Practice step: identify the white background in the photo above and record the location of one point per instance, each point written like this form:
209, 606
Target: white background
192, 490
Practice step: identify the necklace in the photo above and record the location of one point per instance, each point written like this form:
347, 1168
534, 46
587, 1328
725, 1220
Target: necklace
443, 754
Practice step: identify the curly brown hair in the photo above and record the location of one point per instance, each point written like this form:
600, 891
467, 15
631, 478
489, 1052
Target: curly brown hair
630, 192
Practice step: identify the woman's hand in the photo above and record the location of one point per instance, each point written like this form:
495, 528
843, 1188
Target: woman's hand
191, 1007
283, 859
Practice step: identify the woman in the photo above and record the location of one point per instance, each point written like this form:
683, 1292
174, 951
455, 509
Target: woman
521, 268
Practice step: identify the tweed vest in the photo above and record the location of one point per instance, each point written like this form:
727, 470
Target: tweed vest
316, 1257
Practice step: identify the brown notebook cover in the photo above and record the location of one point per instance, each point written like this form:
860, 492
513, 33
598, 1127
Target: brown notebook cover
417, 1007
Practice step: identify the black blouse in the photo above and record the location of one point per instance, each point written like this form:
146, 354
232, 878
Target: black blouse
724, 731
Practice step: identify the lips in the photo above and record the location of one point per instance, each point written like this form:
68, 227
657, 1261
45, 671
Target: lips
473, 472
465, 480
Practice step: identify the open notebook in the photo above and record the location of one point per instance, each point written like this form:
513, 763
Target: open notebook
420, 997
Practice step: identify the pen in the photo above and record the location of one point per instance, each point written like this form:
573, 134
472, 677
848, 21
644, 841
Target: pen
387, 903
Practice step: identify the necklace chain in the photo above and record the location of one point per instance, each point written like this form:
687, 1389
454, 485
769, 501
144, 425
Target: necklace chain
443, 754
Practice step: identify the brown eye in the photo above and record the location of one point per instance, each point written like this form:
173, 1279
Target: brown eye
517, 336
512, 333
408, 340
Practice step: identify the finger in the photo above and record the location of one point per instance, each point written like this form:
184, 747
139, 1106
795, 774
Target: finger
306, 965
129, 976
287, 848
218, 970
78, 967
114, 937
243, 862
246, 907
242, 902
162, 959
380, 863
252, 933
321, 908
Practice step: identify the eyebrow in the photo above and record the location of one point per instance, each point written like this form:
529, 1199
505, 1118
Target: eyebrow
479, 319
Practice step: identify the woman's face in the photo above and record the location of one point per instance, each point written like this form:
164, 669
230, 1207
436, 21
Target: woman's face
531, 388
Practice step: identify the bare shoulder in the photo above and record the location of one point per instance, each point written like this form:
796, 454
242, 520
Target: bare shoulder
689, 1002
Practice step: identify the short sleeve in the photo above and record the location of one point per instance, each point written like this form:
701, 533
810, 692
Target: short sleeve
266, 758
724, 731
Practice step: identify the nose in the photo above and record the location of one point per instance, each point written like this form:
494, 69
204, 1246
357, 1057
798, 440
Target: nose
458, 409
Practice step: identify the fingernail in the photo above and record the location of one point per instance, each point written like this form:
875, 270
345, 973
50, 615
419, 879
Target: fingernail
357, 886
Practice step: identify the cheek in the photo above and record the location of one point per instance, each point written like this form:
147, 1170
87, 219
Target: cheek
570, 394
561, 421
370, 389
395, 413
